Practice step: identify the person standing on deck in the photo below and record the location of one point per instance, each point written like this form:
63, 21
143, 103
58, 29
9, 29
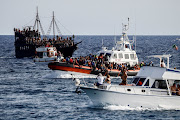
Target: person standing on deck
124, 77
162, 63
100, 80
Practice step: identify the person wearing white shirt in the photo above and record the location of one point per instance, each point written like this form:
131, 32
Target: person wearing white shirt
100, 79
162, 63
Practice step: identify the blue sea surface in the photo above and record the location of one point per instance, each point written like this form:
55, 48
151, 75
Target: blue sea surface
30, 90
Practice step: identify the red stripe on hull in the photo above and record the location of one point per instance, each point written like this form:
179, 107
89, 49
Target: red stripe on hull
63, 68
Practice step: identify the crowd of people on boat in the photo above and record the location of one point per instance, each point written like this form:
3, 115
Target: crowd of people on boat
33, 37
100, 62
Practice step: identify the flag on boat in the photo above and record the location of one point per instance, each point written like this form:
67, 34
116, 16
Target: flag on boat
175, 47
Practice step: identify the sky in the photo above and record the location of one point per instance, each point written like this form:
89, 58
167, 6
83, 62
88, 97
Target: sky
94, 17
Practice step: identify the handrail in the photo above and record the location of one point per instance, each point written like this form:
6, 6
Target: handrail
168, 88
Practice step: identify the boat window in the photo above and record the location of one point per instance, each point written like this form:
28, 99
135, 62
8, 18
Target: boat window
45, 54
160, 84
126, 56
101, 54
127, 46
140, 82
147, 83
176, 81
135, 80
132, 57
120, 55
115, 56
108, 54
40, 54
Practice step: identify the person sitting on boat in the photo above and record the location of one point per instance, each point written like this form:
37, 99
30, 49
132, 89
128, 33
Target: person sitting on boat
93, 64
162, 63
80, 62
67, 59
142, 64
120, 67
71, 61
76, 62
173, 89
59, 55
151, 64
124, 77
108, 79
100, 80
178, 90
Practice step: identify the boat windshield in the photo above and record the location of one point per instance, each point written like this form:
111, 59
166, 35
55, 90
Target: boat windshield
101, 54
108, 54
159, 84
138, 81
40, 54
135, 80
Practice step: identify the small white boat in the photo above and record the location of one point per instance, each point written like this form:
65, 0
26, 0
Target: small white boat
122, 52
149, 89
45, 54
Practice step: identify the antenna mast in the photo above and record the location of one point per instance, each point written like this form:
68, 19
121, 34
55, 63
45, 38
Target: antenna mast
135, 34
114, 36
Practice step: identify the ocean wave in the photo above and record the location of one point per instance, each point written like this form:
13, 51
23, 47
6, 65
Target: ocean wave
67, 74
124, 108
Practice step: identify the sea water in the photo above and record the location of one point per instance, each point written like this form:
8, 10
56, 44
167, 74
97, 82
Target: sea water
30, 90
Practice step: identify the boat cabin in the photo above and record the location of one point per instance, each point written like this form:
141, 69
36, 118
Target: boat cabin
45, 54
129, 57
157, 78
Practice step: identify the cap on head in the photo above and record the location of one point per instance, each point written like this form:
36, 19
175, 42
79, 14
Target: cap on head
99, 74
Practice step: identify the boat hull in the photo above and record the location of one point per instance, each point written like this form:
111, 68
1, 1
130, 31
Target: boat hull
85, 69
50, 59
105, 97
68, 67
28, 50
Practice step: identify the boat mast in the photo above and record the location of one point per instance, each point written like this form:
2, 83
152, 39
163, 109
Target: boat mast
37, 23
53, 25
124, 37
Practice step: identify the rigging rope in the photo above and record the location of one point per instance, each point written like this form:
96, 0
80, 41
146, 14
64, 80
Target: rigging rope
41, 28
29, 22
58, 28
49, 30
64, 27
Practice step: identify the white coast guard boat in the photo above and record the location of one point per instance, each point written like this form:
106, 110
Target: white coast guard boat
123, 52
149, 89
45, 54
